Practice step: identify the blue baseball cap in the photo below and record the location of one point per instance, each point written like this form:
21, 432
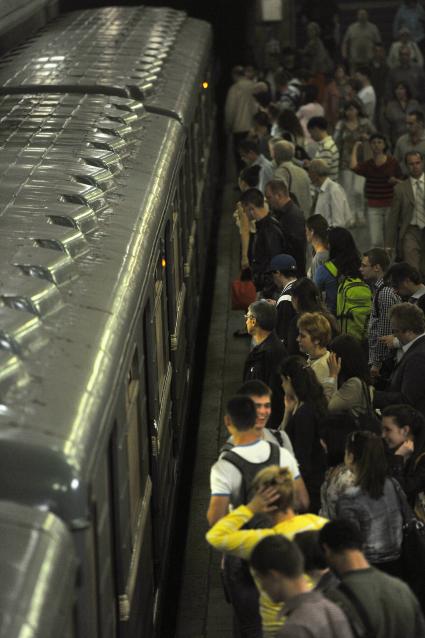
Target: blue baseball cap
283, 262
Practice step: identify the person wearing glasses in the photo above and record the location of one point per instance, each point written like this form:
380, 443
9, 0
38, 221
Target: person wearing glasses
407, 382
372, 504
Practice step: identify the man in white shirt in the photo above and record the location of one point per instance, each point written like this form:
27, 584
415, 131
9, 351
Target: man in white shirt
226, 479
249, 152
367, 94
330, 199
406, 223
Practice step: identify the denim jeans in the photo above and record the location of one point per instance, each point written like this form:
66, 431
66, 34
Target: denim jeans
378, 219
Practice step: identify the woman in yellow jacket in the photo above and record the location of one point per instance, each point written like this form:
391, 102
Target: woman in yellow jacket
274, 488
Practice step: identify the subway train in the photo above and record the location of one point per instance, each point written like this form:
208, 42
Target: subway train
106, 196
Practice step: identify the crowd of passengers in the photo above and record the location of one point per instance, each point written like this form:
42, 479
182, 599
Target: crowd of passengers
318, 496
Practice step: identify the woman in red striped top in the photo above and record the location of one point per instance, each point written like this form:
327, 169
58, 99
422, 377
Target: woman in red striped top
382, 172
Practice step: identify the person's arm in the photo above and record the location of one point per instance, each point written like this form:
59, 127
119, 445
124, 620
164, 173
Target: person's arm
302, 498
353, 158
345, 397
227, 536
412, 483
345, 45
378, 351
218, 507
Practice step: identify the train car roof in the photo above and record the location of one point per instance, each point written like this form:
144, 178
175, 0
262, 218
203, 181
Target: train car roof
70, 289
38, 571
157, 55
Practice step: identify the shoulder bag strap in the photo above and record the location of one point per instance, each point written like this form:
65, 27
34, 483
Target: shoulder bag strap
361, 611
366, 393
406, 510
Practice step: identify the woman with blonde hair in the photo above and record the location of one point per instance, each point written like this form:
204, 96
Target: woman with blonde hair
274, 495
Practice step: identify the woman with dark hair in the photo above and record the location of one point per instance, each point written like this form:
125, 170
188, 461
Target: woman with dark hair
344, 260
353, 127
372, 504
348, 386
395, 111
403, 429
305, 406
305, 297
334, 430
290, 129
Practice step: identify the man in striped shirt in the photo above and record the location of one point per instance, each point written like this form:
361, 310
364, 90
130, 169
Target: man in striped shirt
327, 150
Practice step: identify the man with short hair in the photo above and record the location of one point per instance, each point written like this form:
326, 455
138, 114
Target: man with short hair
316, 232
284, 272
231, 477
295, 177
278, 566
374, 264
291, 221
249, 152
264, 360
268, 240
406, 384
406, 282
377, 604
327, 150
408, 73
412, 141
366, 95
330, 199
406, 222
359, 39
261, 394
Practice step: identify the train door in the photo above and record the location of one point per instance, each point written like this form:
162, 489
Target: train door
132, 498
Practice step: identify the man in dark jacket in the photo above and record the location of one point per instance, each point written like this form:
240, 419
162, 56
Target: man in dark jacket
407, 382
291, 219
268, 240
266, 357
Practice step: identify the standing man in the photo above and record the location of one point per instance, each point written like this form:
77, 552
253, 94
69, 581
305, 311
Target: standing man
406, 221
264, 360
330, 199
240, 108
374, 264
359, 39
295, 177
406, 282
407, 72
327, 150
284, 271
366, 95
291, 220
407, 382
387, 603
249, 151
268, 239
413, 140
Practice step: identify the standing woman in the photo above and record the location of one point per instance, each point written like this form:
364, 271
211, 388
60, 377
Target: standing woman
382, 172
305, 297
394, 115
348, 387
305, 406
352, 128
372, 504
403, 429
344, 260
336, 92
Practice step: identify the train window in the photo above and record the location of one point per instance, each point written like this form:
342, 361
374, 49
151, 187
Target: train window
133, 448
161, 336
177, 260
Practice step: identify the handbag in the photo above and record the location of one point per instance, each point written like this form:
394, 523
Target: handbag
243, 291
413, 545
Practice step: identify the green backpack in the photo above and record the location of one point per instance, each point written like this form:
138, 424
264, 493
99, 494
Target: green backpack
353, 304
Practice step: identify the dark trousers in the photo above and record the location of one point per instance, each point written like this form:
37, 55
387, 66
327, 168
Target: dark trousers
243, 595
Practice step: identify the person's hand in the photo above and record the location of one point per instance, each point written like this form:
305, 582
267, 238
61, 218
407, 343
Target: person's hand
271, 301
263, 500
244, 264
406, 449
388, 340
291, 403
375, 372
334, 365
394, 181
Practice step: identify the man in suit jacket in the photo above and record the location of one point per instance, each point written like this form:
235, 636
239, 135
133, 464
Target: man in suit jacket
406, 223
407, 382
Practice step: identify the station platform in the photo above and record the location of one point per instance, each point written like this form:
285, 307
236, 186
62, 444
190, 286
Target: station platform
203, 611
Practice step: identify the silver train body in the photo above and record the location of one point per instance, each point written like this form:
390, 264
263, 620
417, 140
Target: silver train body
106, 169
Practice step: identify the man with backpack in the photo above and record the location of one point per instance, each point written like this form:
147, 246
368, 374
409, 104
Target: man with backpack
231, 478
374, 264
